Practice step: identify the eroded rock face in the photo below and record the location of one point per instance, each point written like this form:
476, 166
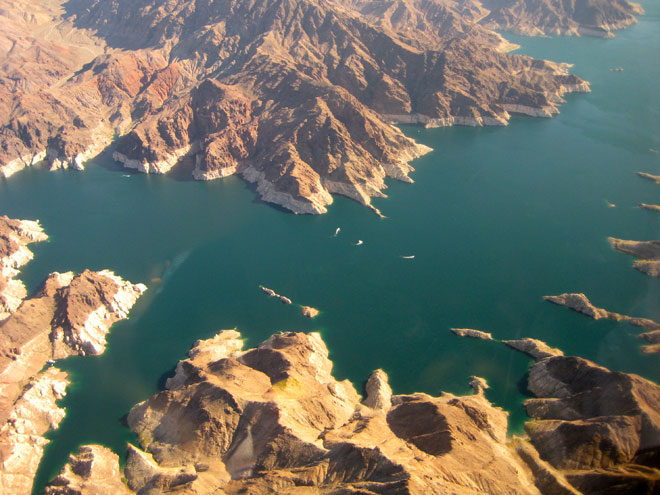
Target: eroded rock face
594, 424
274, 420
93, 471
296, 97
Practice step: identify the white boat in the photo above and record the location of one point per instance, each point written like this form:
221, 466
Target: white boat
337, 231
408, 257
359, 242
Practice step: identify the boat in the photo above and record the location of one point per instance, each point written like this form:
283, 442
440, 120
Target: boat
337, 231
412, 256
359, 242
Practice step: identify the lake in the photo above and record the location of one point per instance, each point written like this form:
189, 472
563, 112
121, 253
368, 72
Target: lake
496, 219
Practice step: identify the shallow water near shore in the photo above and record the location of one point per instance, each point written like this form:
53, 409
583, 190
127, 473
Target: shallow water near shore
497, 218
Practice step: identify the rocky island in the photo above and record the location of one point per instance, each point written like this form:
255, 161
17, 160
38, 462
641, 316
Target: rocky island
70, 315
295, 97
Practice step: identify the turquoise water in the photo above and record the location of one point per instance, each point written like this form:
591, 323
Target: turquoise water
497, 218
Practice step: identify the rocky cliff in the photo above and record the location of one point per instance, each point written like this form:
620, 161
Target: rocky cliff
296, 97
70, 314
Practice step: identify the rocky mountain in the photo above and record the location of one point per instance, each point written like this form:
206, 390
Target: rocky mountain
565, 17
295, 96
601, 428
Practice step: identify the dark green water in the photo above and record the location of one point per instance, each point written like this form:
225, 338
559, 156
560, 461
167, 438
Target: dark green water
497, 218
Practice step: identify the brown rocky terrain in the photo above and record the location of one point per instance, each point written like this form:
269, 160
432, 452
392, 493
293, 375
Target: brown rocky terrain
296, 97
577, 17
600, 428
274, 420
70, 314
94, 471
581, 304
648, 253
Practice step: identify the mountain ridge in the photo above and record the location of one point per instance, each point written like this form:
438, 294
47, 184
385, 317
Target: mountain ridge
309, 90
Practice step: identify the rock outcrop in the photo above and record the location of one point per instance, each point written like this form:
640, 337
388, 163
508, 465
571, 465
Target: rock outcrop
469, 332
274, 420
651, 177
533, 347
93, 471
648, 253
544, 17
70, 314
581, 304
15, 235
272, 293
296, 97
309, 312
649, 207
601, 428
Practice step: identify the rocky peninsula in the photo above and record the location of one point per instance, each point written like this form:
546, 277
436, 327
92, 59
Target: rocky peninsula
295, 97
581, 304
650, 207
70, 315
651, 177
648, 253
15, 235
